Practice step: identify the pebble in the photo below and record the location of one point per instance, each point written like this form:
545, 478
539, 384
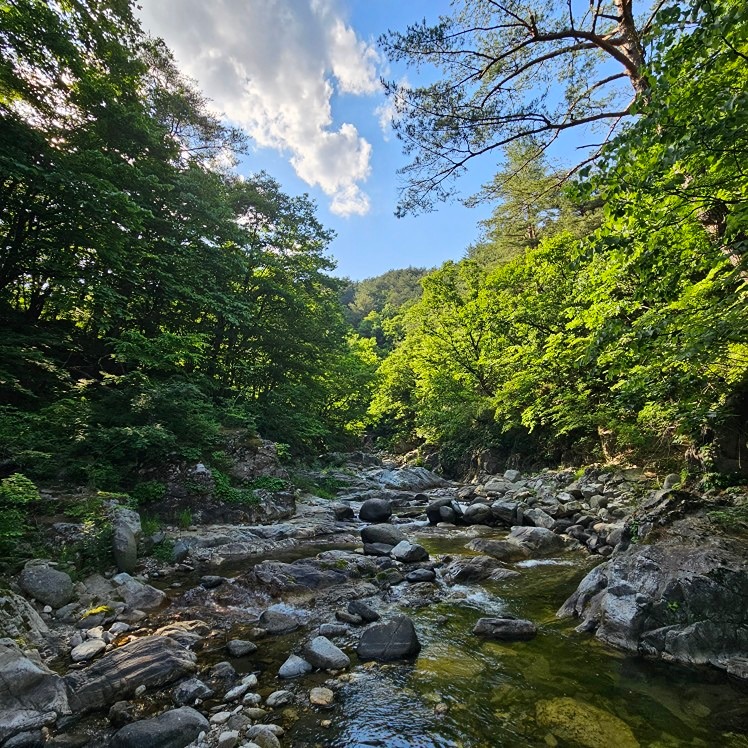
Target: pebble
220, 718
279, 698
322, 697
237, 692
252, 699
228, 739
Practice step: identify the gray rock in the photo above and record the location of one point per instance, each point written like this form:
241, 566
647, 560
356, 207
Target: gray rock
378, 549
137, 594
323, 654
46, 584
240, 648
394, 640
332, 629
211, 581
505, 512
361, 609
187, 633
19, 620
471, 569
478, 514
124, 545
31, 695
512, 475
409, 553
277, 622
539, 541
173, 729
452, 511
382, 533
410, 479
29, 739
189, 691
279, 698
346, 617
671, 481
341, 511
263, 736
538, 518
151, 661
375, 510
294, 667
497, 486
420, 575
88, 650
682, 603
506, 629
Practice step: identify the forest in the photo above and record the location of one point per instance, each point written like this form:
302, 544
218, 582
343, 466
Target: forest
153, 299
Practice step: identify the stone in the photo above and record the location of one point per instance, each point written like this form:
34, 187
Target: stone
124, 548
473, 569
495, 486
501, 550
150, 662
382, 533
277, 622
410, 479
346, 617
451, 507
506, 628
341, 511
31, 695
46, 584
228, 739
263, 736
19, 621
240, 647
409, 553
173, 729
279, 698
420, 575
365, 612
505, 512
189, 691
375, 510
478, 514
377, 549
88, 650
538, 518
583, 724
678, 602
332, 629
211, 581
671, 481
187, 633
539, 541
395, 639
120, 714
223, 672
512, 475
321, 697
321, 653
236, 693
294, 667
137, 594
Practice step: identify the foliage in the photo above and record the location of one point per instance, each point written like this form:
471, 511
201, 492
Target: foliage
16, 492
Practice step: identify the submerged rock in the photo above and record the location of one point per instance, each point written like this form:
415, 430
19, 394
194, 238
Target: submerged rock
506, 628
394, 640
680, 603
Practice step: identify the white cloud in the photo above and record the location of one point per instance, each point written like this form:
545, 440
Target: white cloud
272, 66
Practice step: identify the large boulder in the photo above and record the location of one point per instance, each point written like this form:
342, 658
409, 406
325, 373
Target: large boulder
173, 729
124, 548
394, 640
538, 541
506, 628
478, 514
151, 661
138, 595
19, 620
375, 510
682, 603
409, 479
31, 695
444, 510
409, 553
47, 585
382, 533
501, 550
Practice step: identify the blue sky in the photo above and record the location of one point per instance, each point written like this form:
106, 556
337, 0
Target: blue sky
302, 78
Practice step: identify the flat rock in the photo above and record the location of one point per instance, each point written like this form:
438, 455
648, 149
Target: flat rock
395, 639
87, 650
173, 729
506, 629
240, 647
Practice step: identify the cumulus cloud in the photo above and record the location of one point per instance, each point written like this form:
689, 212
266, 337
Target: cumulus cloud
272, 67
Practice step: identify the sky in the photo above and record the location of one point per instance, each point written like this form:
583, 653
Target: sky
302, 78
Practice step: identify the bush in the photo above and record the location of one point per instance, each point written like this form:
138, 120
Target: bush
16, 492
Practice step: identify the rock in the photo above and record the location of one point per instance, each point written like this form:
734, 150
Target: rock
31, 695
683, 603
228, 739
294, 667
187, 633
341, 511
223, 672
19, 621
505, 512
211, 581
394, 640
189, 691
151, 661
323, 654
236, 693
474, 569
277, 622
506, 629
375, 510
173, 729
322, 697
240, 648
420, 575
377, 549
46, 584
383, 533
452, 511
263, 736
279, 698
512, 475
583, 724
410, 479
409, 553
478, 514
124, 547
501, 550
496, 486
346, 617
88, 650
137, 594
332, 629
539, 541
361, 609
671, 481
299, 576
538, 518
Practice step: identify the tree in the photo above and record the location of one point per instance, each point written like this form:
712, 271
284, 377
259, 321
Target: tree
513, 69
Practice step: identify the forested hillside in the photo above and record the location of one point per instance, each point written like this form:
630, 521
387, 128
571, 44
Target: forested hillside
149, 296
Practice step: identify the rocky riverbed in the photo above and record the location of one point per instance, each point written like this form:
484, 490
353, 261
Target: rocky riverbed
549, 610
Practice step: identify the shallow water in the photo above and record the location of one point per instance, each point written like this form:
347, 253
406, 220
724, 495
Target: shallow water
560, 689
